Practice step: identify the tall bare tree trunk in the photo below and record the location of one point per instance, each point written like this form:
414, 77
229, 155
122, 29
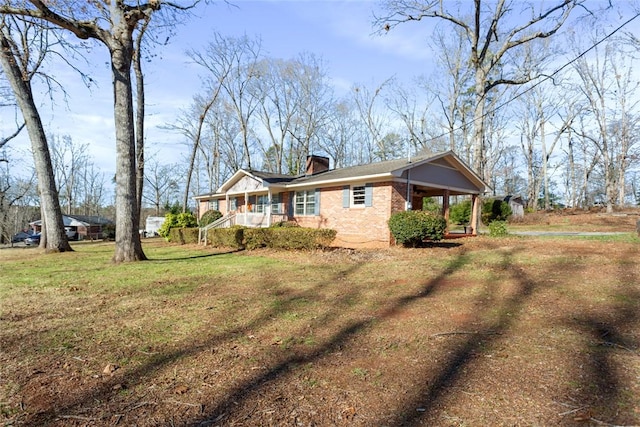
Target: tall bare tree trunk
140, 110
128, 245
54, 239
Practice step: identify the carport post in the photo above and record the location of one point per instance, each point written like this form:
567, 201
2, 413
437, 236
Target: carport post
475, 208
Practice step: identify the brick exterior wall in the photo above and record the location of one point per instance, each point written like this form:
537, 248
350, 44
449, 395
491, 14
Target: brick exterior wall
356, 227
359, 227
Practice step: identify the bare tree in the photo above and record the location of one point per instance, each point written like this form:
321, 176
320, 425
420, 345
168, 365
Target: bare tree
607, 91
341, 134
493, 33
140, 111
23, 48
376, 120
293, 108
69, 160
161, 184
454, 95
15, 194
113, 24
315, 98
233, 64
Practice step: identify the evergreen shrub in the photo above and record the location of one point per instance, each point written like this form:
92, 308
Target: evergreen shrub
232, 237
460, 213
495, 210
411, 228
181, 220
210, 216
498, 229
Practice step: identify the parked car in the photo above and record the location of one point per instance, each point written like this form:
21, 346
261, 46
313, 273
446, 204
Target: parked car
32, 240
19, 237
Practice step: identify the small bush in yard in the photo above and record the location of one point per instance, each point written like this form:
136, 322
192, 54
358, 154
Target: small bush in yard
498, 229
181, 220
495, 210
460, 213
411, 228
210, 216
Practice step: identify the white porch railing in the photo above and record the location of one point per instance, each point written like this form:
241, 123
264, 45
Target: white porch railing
223, 222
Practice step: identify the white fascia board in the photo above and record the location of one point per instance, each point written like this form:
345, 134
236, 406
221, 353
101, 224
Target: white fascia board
338, 181
210, 196
233, 179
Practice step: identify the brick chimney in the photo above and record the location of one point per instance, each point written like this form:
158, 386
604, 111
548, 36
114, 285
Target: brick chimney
316, 164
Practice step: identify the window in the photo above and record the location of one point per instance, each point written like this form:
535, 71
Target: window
214, 205
305, 202
261, 203
276, 207
358, 194
234, 204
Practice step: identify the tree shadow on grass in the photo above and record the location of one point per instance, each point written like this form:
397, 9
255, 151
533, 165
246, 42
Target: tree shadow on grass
452, 372
207, 255
610, 339
104, 391
241, 393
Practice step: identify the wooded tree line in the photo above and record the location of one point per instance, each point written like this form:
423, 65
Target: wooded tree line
536, 111
569, 136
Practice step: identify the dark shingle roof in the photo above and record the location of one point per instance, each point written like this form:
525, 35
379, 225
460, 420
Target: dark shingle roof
361, 170
272, 178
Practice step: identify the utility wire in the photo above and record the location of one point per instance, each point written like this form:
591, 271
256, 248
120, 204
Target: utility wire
543, 80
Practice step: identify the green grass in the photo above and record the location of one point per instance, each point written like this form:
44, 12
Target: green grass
363, 329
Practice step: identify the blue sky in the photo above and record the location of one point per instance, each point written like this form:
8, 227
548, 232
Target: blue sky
340, 32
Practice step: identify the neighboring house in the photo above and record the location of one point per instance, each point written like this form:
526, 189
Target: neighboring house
80, 227
355, 201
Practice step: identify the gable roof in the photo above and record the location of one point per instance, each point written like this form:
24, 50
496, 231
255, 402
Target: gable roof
389, 169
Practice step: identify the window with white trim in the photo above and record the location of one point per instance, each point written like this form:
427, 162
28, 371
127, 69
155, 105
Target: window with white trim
261, 203
214, 205
358, 195
305, 202
276, 207
233, 202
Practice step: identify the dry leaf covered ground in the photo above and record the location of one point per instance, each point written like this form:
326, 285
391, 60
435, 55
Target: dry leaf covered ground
471, 332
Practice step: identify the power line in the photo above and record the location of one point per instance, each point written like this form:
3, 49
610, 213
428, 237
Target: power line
543, 80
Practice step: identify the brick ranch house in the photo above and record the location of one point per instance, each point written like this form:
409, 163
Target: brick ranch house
355, 201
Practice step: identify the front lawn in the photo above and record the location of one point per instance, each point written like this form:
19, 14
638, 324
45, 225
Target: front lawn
476, 331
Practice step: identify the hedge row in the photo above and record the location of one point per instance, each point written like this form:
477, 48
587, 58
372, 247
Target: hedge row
275, 237
183, 235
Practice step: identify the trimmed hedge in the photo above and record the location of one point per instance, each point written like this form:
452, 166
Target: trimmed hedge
297, 238
183, 235
300, 238
411, 228
226, 237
